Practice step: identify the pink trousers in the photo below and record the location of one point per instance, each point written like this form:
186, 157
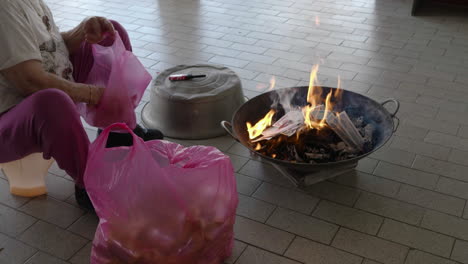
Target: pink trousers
47, 121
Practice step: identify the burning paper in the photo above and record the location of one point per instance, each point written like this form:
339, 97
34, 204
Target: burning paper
323, 131
340, 123
345, 129
287, 125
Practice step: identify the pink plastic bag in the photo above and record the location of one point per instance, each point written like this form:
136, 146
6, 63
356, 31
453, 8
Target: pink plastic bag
160, 203
125, 80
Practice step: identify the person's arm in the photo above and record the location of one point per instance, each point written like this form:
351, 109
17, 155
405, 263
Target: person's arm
29, 77
92, 30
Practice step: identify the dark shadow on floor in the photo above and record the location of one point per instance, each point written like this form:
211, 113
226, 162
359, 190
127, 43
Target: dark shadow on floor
440, 8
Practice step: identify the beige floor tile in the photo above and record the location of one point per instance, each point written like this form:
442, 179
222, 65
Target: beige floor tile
254, 209
446, 224
85, 226
13, 222
432, 200
390, 208
254, 255
406, 175
53, 240
14, 251
315, 253
348, 217
396, 156
369, 183
239, 247
415, 237
367, 165
59, 187
334, 192
246, 185
261, 235
264, 172
237, 161
440, 167
302, 225
422, 148
83, 256
460, 251
417, 257
288, 198
370, 247
52, 211
41, 257
7, 198
453, 187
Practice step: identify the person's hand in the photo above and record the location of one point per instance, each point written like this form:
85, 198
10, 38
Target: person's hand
95, 27
89, 94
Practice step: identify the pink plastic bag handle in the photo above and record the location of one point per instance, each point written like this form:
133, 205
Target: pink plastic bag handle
115, 50
118, 43
102, 140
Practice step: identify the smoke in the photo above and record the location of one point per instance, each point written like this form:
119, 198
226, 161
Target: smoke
283, 98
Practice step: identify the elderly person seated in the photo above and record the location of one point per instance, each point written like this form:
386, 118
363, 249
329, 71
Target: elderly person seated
42, 71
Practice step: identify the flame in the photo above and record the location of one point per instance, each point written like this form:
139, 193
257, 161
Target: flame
258, 147
328, 104
317, 21
315, 113
262, 124
272, 83
315, 92
314, 95
306, 111
328, 109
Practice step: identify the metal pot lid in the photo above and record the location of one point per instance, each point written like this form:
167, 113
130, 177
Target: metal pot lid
219, 82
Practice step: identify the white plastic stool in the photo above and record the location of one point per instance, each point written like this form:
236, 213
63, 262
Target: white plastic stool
27, 175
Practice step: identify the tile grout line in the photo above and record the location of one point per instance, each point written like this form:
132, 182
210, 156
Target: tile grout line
357, 199
78, 251
271, 214
452, 249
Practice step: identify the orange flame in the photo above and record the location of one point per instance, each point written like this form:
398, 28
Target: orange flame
272, 83
306, 111
328, 104
258, 147
317, 21
315, 92
261, 125
328, 109
315, 113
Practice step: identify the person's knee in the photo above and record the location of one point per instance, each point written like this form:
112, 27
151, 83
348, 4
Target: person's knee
53, 102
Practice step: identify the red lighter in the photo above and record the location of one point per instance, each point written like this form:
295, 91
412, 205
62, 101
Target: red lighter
184, 77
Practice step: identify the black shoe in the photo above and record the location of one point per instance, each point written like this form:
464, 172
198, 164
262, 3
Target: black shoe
124, 139
148, 134
82, 199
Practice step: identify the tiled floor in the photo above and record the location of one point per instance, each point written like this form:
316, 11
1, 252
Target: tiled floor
405, 204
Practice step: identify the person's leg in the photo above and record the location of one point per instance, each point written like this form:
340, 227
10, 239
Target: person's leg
47, 122
83, 59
